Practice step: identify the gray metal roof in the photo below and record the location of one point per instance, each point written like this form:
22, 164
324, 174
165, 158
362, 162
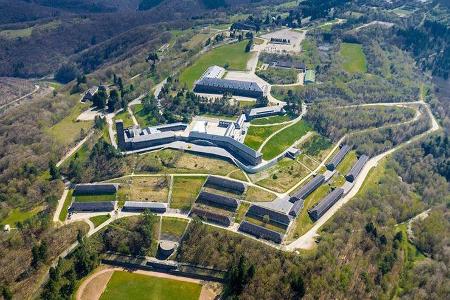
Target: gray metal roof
227, 139
230, 84
220, 200
93, 188
212, 217
144, 204
274, 216
308, 188
326, 203
334, 162
104, 206
235, 186
357, 167
298, 205
261, 232
265, 110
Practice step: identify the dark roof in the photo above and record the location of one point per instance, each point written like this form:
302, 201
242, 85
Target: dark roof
95, 188
325, 204
275, 216
211, 217
219, 200
139, 206
261, 232
289, 64
334, 162
105, 206
308, 188
357, 167
235, 186
298, 205
230, 84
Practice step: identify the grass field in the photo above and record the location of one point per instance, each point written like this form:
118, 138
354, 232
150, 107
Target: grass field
257, 135
64, 210
347, 163
141, 117
238, 174
233, 55
95, 198
124, 285
281, 92
97, 220
240, 213
282, 176
284, 139
265, 225
303, 222
173, 161
125, 117
254, 194
68, 129
270, 120
354, 59
145, 188
316, 144
185, 191
174, 227
16, 215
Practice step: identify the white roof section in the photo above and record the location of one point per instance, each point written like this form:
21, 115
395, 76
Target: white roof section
267, 109
213, 72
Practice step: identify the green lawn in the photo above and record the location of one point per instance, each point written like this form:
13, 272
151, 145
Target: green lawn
16, 215
141, 117
124, 285
269, 225
126, 118
284, 139
254, 194
185, 191
68, 129
316, 144
347, 163
64, 210
242, 210
354, 59
233, 55
270, 120
257, 135
95, 198
97, 220
173, 226
303, 222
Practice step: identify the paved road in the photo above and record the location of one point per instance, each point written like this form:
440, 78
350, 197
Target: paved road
36, 88
307, 241
74, 149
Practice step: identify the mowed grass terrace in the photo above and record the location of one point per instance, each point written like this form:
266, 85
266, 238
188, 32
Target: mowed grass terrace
124, 285
257, 135
353, 58
232, 55
185, 190
284, 139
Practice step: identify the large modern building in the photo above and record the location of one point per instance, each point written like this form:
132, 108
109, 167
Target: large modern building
267, 111
209, 85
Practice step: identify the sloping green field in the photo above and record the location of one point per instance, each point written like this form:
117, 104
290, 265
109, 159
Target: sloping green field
232, 55
354, 59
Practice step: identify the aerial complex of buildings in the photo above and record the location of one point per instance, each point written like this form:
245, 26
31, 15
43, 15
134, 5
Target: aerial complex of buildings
219, 199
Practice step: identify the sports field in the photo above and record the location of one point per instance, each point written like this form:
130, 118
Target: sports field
353, 58
124, 285
233, 56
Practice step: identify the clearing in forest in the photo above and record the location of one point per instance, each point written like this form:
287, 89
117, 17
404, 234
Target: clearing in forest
353, 58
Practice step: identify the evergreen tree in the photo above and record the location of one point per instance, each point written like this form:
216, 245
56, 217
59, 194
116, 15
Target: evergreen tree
54, 171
